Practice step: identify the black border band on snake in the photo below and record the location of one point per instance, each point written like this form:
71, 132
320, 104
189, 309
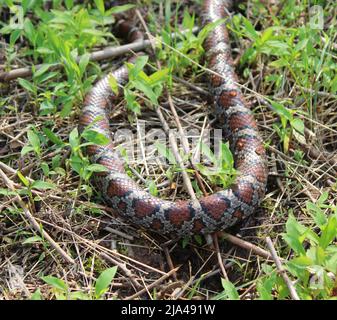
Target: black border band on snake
212, 213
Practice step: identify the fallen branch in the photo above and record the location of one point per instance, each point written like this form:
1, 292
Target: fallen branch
247, 245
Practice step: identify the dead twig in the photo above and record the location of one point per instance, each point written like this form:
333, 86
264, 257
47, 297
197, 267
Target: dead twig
218, 254
282, 271
247, 245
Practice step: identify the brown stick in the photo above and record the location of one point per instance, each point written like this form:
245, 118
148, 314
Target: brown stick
280, 268
247, 245
218, 254
33, 222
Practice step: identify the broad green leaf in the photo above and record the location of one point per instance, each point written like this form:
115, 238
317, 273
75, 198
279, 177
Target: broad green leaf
55, 282
281, 110
118, 9
165, 152
76, 163
52, 136
113, 84
329, 232
230, 290
138, 66
83, 63
298, 125
95, 137
69, 4
42, 185
146, 89
26, 149
249, 28
14, 36
6, 192
41, 70
73, 138
27, 85
104, 280
159, 76
100, 6
34, 140
36, 295
33, 239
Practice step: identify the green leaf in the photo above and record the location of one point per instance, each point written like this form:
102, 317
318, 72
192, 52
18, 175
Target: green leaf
152, 188
14, 36
34, 140
104, 280
6, 192
29, 30
317, 214
55, 282
165, 152
281, 110
76, 163
113, 84
26, 85
41, 70
118, 9
23, 179
52, 136
95, 137
138, 66
96, 168
226, 156
229, 293
249, 28
100, 6
42, 185
36, 295
158, 77
329, 232
298, 125
83, 63
69, 4
147, 90
73, 138
26, 149
33, 239
66, 109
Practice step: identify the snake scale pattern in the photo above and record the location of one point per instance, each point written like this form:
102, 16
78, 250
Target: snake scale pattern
208, 214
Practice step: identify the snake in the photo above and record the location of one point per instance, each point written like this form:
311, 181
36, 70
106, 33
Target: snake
205, 215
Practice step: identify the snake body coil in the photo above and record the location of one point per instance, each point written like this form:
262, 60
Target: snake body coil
211, 213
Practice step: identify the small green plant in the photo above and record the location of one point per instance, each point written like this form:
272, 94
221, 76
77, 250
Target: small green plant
223, 172
79, 162
61, 290
229, 292
314, 261
151, 86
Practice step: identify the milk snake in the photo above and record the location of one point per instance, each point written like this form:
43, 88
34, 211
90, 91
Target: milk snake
211, 213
